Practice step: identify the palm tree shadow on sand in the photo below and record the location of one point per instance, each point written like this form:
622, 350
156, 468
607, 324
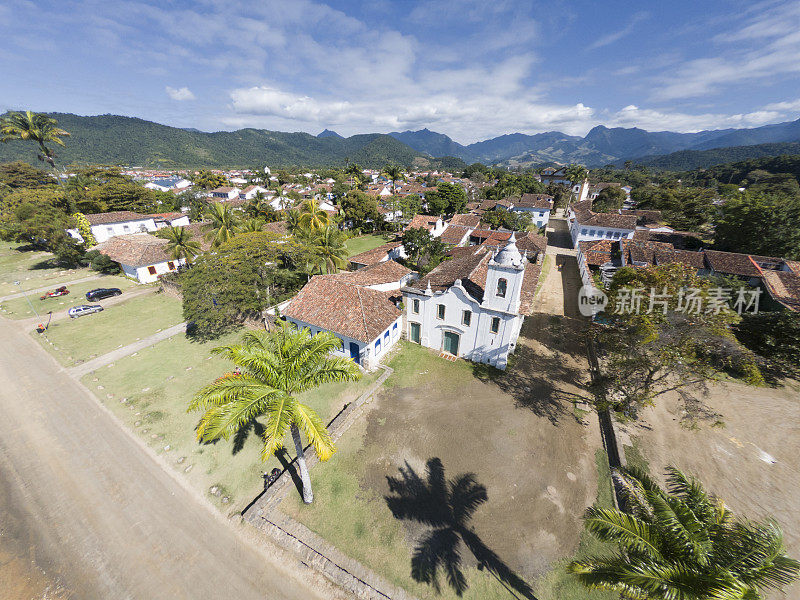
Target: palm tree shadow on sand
445, 508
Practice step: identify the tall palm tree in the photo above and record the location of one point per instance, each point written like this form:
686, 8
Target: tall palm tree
36, 127
682, 544
394, 173
354, 171
275, 367
576, 173
328, 244
312, 216
293, 220
180, 243
224, 224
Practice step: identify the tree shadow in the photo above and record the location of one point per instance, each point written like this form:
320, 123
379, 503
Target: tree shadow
288, 464
445, 509
548, 359
241, 436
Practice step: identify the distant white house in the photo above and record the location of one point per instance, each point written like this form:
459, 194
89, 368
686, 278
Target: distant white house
166, 184
141, 256
538, 206
434, 225
111, 224
250, 192
224, 193
586, 225
171, 219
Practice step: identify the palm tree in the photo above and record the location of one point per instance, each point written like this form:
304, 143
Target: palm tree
354, 171
275, 367
180, 243
293, 220
251, 225
36, 127
224, 224
682, 544
312, 216
576, 173
328, 244
394, 173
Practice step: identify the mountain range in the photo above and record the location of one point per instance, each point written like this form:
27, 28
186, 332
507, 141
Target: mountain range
112, 139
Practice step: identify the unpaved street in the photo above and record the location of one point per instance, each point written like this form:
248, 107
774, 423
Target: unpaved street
88, 513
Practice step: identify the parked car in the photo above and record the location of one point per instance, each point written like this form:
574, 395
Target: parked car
62, 291
102, 293
83, 309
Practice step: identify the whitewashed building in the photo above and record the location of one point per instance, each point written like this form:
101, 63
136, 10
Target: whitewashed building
360, 308
473, 306
586, 225
107, 225
538, 206
141, 256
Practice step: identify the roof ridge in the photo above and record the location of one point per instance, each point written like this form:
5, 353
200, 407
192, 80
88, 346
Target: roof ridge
363, 318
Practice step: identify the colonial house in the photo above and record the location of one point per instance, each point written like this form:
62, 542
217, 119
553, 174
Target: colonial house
472, 306
111, 224
171, 219
141, 256
167, 184
586, 225
389, 251
434, 225
360, 308
559, 176
250, 192
224, 193
538, 206
456, 235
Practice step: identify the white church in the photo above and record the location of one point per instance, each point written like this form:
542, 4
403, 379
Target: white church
473, 306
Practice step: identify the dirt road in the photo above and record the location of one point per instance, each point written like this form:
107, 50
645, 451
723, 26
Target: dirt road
88, 513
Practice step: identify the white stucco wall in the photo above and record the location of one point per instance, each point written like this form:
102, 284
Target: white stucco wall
143, 273
108, 230
477, 343
540, 216
582, 233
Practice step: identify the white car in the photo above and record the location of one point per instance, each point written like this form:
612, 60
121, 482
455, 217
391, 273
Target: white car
83, 309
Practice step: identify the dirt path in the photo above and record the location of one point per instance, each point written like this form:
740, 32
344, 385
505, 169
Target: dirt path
96, 512
559, 293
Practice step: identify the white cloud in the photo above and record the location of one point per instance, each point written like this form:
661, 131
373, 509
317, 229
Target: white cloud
183, 93
615, 36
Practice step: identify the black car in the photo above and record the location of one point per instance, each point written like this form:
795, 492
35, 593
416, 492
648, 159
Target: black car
102, 293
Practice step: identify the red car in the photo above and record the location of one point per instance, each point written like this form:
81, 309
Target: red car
62, 291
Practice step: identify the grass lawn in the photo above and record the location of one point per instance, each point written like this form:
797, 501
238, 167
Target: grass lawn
360, 244
32, 268
18, 308
539, 475
157, 384
78, 340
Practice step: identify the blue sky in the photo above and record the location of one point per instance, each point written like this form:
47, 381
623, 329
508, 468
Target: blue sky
468, 68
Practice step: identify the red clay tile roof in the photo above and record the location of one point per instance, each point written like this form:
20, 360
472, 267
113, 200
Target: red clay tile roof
375, 255
331, 303
784, 286
119, 216
422, 221
278, 227
454, 234
542, 201
587, 218
388, 271
467, 220
136, 249
794, 266
733, 263
696, 260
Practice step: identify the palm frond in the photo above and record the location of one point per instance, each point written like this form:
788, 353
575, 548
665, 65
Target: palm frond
611, 525
316, 433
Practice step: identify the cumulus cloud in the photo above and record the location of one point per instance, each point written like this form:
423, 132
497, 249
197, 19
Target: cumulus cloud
183, 93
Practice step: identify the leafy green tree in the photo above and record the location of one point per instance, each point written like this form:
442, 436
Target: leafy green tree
411, 205
684, 208
98, 261
361, 210
576, 173
775, 338
275, 367
239, 280
208, 180
251, 225
85, 229
122, 195
20, 174
500, 218
180, 243
610, 198
423, 250
677, 343
355, 176
447, 199
682, 543
224, 223
756, 224
35, 127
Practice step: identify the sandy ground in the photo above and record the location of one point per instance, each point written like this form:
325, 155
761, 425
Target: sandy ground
516, 432
752, 462
89, 513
